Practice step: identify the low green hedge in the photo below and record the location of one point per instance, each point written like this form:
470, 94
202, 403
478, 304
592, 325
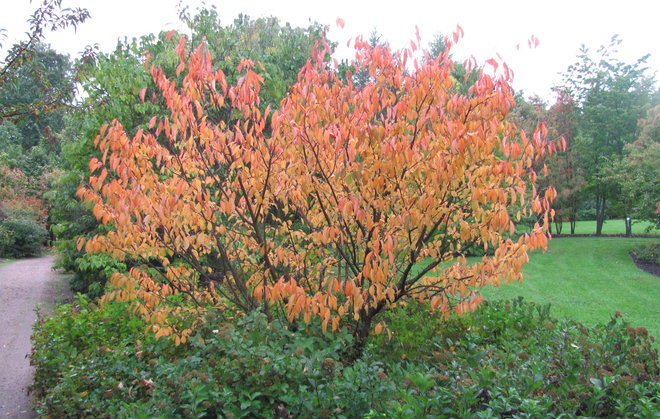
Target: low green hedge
506, 359
649, 253
21, 236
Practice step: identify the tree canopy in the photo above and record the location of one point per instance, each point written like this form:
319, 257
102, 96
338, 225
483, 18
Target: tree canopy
610, 97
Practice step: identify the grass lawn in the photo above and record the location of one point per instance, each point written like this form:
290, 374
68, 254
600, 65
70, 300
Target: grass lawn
5, 261
588, 279
610, 227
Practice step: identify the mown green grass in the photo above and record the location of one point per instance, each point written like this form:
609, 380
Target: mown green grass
609, 227
588, 279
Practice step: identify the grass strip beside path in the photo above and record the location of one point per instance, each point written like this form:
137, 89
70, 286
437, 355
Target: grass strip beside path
5, 261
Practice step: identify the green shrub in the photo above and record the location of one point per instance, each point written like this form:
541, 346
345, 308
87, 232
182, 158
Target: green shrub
95, 362
21, 236
506, 359
513, 359
650, 253
71, 221
6, 239
91, 271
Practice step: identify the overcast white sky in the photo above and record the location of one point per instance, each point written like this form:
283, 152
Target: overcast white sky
490, 26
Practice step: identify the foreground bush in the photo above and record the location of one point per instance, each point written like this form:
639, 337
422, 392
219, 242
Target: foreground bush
506, 359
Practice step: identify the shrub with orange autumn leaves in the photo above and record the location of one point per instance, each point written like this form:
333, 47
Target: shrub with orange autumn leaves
343, 203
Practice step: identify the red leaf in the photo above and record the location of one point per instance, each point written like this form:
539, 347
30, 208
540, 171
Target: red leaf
458, 34
340, 22
142, 92
533, 42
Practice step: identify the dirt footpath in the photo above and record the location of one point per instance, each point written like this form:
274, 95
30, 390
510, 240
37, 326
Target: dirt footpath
24, 285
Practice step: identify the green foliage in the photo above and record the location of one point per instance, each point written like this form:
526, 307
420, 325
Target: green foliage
282, 49
21, 236
638, 172
611, 97
513, 359
111, 83
92, 272
33, 116
6, 239
76, 339
96, 362
24, 61
11, 141
71, 220
649, 253
463, 79
506, 359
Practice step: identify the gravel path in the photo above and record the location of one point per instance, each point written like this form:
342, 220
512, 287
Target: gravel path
24, 285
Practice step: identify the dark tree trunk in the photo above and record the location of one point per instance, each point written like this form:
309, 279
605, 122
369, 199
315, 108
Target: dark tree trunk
360, 338
628, 222
572, 216
559, 226
600, 214
361, 333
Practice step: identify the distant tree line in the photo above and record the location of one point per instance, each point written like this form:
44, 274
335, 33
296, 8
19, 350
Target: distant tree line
608, 113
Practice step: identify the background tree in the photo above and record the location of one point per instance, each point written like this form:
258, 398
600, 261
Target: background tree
463, 77
280, 48
34, 143
611, 96
565, 172
638, 173
360, 76
49, 16
528, 113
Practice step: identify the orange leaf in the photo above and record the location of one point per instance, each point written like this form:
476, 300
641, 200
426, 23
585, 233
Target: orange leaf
493, 63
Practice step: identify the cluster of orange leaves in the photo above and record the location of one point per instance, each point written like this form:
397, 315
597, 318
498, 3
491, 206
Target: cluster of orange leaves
345, 202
